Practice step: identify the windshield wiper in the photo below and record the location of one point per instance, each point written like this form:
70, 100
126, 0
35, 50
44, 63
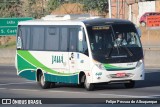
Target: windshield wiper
109, 53
130, 53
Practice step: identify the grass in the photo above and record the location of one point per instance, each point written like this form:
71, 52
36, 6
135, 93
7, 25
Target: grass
10, 45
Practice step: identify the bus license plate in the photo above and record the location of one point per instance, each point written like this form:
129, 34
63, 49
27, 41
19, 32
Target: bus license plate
120, 74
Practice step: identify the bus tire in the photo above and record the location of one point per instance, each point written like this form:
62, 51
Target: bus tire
81, 85
81, 79
52, 85
143, 24
131, 84
88, 86
44, 84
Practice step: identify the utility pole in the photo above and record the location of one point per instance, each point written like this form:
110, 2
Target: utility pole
117, 8
130, 12
42, 8
110, 8
124, 10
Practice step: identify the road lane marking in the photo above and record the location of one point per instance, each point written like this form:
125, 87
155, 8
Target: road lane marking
18, 83
24, 90
132, 96
126, 96
156, 96
69, 92
2, 88
28, 82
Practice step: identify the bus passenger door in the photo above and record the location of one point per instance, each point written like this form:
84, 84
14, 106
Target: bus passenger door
73, 40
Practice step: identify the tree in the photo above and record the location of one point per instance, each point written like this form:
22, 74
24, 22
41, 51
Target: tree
34, 8
53, 4
99, 5
9, 8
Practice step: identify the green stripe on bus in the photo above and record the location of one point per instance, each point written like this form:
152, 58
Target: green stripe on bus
31, 75
28, 74
23, 64
29, 58
59, 78
112, 68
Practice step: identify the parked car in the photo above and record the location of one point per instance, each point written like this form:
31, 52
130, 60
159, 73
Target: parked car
143, 19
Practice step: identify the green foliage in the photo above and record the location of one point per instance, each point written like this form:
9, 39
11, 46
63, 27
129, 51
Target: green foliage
9, 45
99, 5
9, 8
35, 8
22, 8
31, 2
29, 9
53, 4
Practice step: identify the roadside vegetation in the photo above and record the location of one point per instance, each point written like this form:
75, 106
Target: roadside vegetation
10, 45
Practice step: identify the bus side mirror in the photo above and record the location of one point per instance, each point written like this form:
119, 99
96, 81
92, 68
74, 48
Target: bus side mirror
19, 43
139, 31
80, 35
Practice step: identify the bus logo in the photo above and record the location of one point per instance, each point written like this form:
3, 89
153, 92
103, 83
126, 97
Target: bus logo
57, 59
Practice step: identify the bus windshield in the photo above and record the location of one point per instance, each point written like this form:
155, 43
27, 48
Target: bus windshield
116, 43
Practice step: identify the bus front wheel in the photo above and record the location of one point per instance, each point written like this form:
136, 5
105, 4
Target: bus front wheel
131, 84
88, 86
44, 84
143, 24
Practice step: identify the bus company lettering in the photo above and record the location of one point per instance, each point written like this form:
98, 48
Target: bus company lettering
57, 59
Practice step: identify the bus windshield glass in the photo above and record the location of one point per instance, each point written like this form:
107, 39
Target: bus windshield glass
115, 43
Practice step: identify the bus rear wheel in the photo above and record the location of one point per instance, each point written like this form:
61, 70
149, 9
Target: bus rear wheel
131, 84
44, 84
52, 85
88, 86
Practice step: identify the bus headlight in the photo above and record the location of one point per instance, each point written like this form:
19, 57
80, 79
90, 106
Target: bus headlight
139, 63
99, 65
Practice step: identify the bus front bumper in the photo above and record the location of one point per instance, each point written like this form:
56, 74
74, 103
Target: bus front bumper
103, 76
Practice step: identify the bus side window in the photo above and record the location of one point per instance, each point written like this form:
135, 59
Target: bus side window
73, 37
52, 38
23, 38
64, 39
82, 45
37, 38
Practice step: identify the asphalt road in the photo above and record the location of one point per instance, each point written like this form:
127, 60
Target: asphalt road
13, 86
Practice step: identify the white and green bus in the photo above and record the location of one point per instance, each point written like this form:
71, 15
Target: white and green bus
80, 50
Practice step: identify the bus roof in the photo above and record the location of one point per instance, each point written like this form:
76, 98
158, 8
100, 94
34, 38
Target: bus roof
102, 21
88, 21
50, 22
